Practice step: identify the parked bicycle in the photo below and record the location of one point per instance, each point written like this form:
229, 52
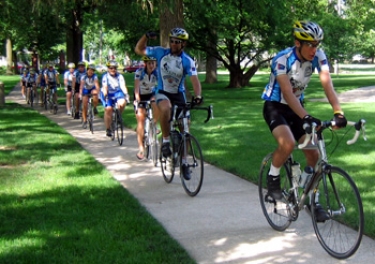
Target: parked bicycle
186, 151
150, 139
327, 185
117, 125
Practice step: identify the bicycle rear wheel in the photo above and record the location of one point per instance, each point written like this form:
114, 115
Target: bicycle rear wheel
341, 235
194, 161
277, 213
119, 127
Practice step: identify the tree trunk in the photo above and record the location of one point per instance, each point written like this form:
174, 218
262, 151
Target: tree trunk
238, 79
211, 69
74, 38
9, 52
169, 20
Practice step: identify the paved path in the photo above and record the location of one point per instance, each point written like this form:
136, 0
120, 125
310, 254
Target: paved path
223, 224
363, 95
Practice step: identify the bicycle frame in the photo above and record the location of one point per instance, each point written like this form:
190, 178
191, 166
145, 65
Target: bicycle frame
322, 167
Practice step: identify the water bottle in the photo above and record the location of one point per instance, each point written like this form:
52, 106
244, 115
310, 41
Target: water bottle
305, 176
296, 173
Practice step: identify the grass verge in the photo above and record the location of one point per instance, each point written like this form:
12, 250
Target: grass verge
59, 205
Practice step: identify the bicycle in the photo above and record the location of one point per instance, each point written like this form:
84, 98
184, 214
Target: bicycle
150, 139
45, 98
73, 109
51, 102
341, 234
31, 95
90, 113
117, 124
186, 151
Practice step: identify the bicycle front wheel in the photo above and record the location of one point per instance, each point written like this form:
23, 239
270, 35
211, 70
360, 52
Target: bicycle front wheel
167, 167
276, 212
119, 127
154, 145
90, 117
191, 163
337, 193
31, 98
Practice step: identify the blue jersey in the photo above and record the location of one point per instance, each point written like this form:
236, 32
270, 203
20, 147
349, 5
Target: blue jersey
172, 69
113, 83
78, 76
299, 73
147, 83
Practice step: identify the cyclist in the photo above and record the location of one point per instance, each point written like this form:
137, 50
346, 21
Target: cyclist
31, 83
113, 90
174, 66
42, 83
69, 83
283, 109
89, 85
52, 79
23, 82
80, 71
144, 86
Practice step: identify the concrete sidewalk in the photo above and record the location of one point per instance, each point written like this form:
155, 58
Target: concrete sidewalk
222, 224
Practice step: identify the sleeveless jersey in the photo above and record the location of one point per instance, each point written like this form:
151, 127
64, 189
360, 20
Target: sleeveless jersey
69, 76
172, 70
89, 81
299, 73
113, 83
147, 83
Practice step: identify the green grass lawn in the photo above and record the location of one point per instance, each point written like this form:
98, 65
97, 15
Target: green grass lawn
59, 205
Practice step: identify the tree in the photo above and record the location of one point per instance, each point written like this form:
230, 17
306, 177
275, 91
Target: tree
241, 34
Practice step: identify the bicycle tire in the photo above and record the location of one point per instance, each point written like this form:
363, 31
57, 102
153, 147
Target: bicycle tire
72, 105
147, 139
31, 98
341, 235
45, 101
167, 167
277, 213
90, 118
119, 128
154, 145
194, 160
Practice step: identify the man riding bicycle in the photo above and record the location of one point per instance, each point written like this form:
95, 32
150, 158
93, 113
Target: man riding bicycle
283, 109
80, 71
31, 83
52, 79
173, 66
113, 90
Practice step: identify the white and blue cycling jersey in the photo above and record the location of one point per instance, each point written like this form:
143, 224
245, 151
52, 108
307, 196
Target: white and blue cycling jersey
32, 79
147, 83
172, 69
114, 83
89, 82
51, 75
299, 73
69, 77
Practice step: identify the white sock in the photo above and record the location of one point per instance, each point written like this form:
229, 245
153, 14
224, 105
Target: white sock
165, 140
274, 171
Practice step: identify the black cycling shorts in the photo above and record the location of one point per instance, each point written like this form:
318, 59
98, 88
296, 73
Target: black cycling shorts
276, 114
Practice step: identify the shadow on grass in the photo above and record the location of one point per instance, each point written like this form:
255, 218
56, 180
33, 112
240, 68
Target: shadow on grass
90, 224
